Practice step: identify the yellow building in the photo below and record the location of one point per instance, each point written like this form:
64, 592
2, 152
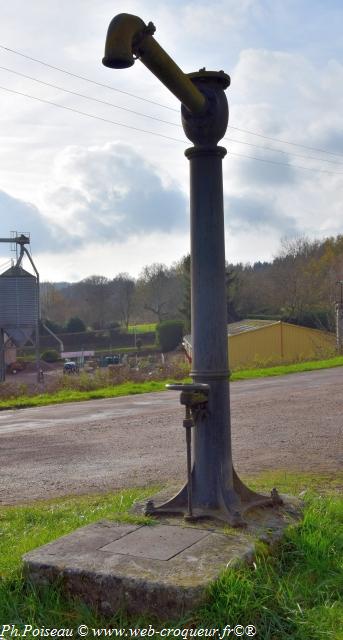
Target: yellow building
254, 343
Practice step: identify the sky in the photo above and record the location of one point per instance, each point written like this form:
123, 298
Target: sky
100, 197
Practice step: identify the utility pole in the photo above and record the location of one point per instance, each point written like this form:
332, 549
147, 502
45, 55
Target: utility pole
339, 318
2, 356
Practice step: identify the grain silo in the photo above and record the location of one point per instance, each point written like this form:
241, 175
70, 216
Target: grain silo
19, 304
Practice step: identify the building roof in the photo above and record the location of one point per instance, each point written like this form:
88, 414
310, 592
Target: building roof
16, 272
240, 327
248, 325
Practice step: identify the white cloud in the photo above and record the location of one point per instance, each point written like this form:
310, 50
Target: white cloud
74, 180
105, 200
110, 193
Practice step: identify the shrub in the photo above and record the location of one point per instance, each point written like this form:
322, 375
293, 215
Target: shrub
169, 334
75, 325
50, 355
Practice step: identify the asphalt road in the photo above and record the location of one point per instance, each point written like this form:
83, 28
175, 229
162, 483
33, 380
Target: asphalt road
292, 422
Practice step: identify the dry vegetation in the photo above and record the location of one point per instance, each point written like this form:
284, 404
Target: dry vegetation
111, 376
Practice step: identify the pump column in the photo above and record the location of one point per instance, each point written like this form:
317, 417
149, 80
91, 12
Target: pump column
212, 441
2, 356
339, 326
213, 476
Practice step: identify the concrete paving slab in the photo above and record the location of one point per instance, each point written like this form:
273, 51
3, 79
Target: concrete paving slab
161, 542
162, 569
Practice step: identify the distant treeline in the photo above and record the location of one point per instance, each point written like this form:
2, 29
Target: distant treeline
96, 340
299, 285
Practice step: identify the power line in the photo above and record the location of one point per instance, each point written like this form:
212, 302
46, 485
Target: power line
160, 135
287, 164
288, 153
75, 75
132, 95
82, 95
295, 144
174, 124
89, 115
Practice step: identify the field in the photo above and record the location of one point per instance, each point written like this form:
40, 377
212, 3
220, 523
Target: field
142, 328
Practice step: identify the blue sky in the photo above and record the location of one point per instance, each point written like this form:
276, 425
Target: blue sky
101, 198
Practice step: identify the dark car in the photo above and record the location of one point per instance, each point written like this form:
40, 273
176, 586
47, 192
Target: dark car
70, 367
111, 360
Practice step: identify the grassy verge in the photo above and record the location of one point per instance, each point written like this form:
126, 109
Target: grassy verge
72, 395
281, 370
295, 592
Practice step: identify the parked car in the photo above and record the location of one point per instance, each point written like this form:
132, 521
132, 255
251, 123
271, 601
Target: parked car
115, 359
70, 367
15, 367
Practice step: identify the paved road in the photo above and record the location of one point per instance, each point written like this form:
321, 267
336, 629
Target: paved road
290, 422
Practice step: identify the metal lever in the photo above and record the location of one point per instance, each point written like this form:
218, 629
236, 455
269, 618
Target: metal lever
193, 397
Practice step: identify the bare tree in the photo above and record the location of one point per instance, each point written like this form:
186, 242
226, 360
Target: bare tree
154, 289
93, 296
122, 289
54, 303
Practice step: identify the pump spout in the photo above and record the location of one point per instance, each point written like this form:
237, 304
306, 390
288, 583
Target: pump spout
123, 35
128, 37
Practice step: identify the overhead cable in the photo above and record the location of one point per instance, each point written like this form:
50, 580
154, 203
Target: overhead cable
82, 95
294, 144
89, 115
154, 133
132, 95
75, 75
145, 115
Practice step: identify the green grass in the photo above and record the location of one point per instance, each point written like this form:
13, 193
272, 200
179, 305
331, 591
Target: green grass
25, 527
142, 328
295, 592
71, 395
281, 370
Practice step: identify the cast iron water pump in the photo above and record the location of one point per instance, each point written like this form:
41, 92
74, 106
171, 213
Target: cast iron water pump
216, 491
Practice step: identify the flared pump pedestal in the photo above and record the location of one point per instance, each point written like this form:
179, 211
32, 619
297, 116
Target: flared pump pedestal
229, 508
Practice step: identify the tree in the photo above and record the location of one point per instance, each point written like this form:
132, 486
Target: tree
232, 284
122, 292
169, 334
75, 325
185, 307
296, 286
50, 355
154, 289
93, 294
53, 326
54, 303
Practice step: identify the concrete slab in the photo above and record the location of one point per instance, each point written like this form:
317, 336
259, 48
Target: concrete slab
161, 542
162, 569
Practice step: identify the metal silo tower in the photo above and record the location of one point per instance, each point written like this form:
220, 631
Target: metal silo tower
19, 302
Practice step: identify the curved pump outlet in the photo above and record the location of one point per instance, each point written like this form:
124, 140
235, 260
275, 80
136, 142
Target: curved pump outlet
124, 33
128, 37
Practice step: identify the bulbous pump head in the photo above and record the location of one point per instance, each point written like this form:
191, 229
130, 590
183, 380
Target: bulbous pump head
128, 37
